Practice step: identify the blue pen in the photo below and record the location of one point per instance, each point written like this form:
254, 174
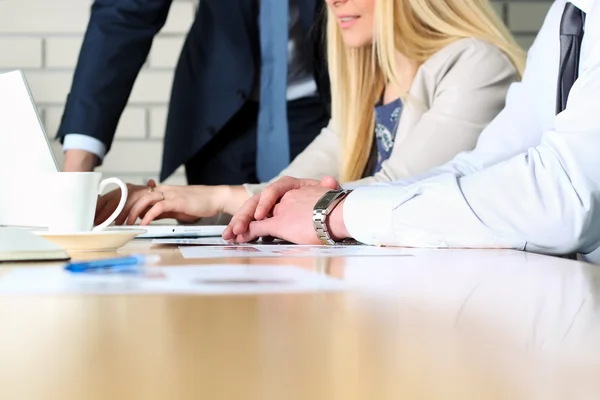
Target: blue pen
113, 265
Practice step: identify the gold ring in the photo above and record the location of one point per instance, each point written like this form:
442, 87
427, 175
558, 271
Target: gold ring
161, 195
150, 189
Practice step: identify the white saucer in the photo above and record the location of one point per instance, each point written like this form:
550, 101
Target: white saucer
94, 241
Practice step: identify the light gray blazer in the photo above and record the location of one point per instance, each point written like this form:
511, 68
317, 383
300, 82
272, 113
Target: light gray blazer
462, 88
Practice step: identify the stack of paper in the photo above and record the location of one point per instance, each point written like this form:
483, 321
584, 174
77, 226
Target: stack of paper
21, 245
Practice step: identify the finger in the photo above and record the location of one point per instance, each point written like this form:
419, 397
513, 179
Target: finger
258, 229
101, 202
123, 216
151, 183
227, 233
145, 202
110, 203
131, 201
331, 183
143, 213
154, 212
271, 195
100, 205
244, 215
241, 224
276, 210
132, 198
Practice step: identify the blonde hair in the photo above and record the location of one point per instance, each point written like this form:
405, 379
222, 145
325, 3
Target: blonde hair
415, 28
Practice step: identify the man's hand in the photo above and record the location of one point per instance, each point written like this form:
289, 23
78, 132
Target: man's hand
79, 161
292, 219
259, 206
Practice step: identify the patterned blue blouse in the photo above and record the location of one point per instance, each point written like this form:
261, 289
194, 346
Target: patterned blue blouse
386, 124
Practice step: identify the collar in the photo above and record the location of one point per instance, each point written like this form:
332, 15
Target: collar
583, 5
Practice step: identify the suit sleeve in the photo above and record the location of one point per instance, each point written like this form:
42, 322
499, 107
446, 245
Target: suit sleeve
117, 41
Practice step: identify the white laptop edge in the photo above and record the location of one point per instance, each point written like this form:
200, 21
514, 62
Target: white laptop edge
175, 231
35, 109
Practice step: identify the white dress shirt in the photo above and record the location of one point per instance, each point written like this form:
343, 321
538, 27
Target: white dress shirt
533, 180
300, 83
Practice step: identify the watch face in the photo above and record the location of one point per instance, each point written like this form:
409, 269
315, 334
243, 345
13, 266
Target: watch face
327, 198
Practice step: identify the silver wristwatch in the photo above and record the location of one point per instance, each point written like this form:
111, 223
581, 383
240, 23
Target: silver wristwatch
321, 211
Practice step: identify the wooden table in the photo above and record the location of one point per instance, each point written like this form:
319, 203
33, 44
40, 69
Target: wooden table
440, 324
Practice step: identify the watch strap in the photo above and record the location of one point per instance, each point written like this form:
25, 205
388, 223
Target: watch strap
321, 212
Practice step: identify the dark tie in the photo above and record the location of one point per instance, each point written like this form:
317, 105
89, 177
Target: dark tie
571, 34
272, 132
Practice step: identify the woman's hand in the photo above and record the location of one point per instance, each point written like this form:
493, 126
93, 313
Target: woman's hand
259, 207
107, 203
186, 204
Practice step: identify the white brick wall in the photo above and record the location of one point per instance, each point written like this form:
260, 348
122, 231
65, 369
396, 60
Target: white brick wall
524, 17
62, 52
28, 56
43, 37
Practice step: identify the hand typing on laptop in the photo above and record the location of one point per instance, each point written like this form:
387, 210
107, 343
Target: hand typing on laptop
187, 204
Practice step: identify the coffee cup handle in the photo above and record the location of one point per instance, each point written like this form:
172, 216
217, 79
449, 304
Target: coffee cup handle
122, 201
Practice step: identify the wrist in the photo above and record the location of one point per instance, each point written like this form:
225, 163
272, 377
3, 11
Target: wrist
230, 198
79, 161
335, 223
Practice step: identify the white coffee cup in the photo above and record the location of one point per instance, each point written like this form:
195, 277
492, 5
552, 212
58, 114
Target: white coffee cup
72, 198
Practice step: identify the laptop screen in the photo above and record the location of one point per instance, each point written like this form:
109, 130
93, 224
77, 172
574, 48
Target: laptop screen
25, 154
24, 146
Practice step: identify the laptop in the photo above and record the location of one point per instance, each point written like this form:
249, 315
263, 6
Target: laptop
159, 231
26, 155
23, 142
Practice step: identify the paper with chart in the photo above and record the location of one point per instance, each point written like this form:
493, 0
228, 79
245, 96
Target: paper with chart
201, 280
282, 250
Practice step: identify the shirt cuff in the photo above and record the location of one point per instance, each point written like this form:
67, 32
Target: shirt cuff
75, 141
368, 213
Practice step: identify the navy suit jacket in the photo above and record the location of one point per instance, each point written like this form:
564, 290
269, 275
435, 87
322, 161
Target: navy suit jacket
213, 78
